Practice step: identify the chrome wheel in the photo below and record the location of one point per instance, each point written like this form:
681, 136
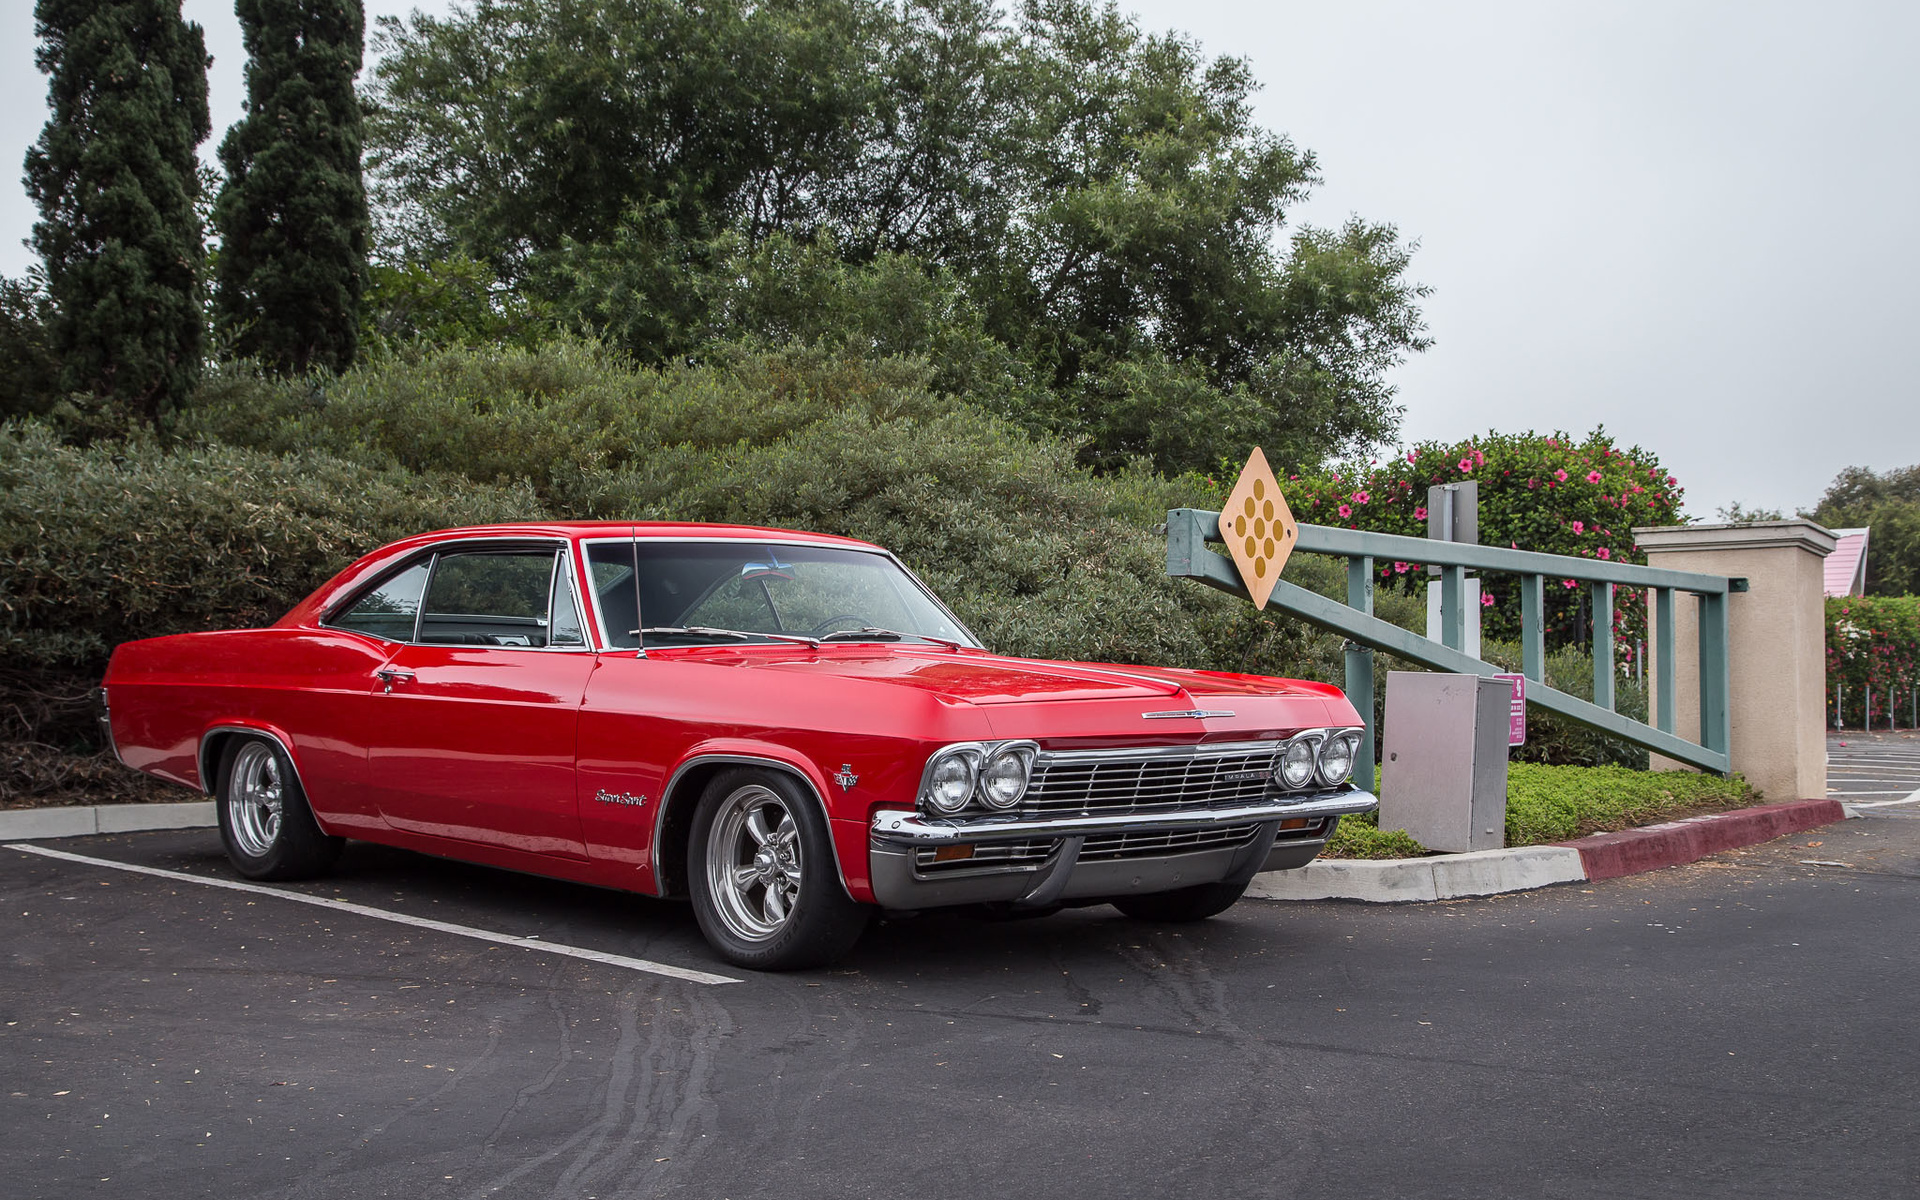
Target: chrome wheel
753, 863
256, 799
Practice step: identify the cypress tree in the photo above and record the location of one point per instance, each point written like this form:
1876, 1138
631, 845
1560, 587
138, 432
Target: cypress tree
293, 213
114, 176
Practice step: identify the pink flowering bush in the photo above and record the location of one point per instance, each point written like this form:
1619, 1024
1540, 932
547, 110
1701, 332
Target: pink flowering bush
1552, 494
1873, 646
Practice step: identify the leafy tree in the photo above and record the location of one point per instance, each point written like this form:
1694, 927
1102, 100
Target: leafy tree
293, 214
114, 176
1097, 200
450, 301
1889, 504
28, 371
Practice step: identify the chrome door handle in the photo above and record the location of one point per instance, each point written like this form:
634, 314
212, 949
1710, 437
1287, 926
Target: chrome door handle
390, 676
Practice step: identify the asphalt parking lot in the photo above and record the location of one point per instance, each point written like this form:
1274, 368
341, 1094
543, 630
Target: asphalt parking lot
1741, 1026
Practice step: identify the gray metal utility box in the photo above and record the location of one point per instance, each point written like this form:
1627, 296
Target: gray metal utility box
1443, 772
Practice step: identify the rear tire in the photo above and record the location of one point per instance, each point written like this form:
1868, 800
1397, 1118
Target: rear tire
1186, 904
268, 830
765, 886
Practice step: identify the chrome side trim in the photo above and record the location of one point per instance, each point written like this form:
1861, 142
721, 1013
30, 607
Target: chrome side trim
897, 827
673, 781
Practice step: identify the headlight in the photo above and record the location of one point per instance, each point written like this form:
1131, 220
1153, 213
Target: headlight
950, 780
1004, 779
1336, 759
1296, 765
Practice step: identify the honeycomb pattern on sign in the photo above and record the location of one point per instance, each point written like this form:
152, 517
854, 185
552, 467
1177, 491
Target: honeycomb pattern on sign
1258, 528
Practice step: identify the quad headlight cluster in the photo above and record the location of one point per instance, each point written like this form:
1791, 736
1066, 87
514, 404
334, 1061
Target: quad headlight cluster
991, 775
1317, 756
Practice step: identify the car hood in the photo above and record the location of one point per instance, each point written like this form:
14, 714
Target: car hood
1026, 697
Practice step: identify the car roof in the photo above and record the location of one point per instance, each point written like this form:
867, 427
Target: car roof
665, 530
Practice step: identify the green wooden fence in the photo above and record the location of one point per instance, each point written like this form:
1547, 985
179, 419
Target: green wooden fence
1189, 530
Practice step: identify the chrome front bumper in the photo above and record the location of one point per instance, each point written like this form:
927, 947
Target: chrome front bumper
899, 883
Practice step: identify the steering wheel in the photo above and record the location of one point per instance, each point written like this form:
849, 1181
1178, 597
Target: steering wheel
827, 626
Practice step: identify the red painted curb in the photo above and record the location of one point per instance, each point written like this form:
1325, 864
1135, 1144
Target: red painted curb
1610, 855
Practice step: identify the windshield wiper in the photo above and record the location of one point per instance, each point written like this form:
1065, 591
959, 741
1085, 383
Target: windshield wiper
742, 634
875, 634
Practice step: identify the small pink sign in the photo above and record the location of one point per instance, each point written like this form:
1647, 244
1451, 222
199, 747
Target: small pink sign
1516, 710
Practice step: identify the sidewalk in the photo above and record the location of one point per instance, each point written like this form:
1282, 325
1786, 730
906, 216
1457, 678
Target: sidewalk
1522, 868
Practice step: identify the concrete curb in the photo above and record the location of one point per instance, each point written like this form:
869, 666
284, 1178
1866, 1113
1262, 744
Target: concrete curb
27, 824
1611, 855
1523, 868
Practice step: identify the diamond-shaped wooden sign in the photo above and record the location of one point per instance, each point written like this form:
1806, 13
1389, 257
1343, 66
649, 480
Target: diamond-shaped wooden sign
1258, 528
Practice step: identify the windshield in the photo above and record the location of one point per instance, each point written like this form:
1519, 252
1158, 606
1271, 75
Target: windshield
704, 593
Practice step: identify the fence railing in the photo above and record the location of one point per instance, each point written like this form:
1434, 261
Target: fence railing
1189, 530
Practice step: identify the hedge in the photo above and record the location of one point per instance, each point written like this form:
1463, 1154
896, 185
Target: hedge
1873, 648
1559, 803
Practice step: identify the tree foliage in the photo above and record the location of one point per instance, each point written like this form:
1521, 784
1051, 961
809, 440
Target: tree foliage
1095, 201
29, 374
293, 214
1888, 503
115, 179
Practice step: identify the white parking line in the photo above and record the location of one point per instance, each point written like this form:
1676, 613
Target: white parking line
466, 931
1912, 798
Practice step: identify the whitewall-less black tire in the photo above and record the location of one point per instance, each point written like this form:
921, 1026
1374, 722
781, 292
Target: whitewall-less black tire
268, 830
760, 867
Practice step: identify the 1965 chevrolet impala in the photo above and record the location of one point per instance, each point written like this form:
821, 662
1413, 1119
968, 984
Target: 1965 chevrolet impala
786, 727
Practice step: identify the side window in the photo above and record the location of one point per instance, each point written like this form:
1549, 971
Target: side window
388, 610
566, 629
610, 567
483, 599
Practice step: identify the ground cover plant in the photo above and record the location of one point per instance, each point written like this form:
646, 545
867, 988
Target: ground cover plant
1548, 804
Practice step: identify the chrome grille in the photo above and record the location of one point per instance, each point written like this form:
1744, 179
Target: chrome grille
1162, 841
1107, 782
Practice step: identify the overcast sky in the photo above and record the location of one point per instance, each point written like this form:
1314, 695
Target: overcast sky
1694, 223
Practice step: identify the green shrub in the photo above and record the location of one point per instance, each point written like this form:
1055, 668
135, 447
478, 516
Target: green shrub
1559, 803
126, 540
1360, 836
1553, 804
1550, 494
1554, 739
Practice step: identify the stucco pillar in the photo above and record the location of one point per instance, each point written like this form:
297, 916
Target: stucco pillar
1777, 647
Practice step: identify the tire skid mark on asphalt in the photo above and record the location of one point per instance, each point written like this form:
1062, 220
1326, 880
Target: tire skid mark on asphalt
330, 1175
619, 1076
563, 1055
647, 966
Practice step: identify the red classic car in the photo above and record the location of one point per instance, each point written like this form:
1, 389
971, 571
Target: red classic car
788, 728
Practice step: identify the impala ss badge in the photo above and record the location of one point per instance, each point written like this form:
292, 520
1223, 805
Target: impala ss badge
846, 778
1187, 712
606, 797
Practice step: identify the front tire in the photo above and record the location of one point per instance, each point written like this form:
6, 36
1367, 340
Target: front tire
268, 830
765, 886
1185, 904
